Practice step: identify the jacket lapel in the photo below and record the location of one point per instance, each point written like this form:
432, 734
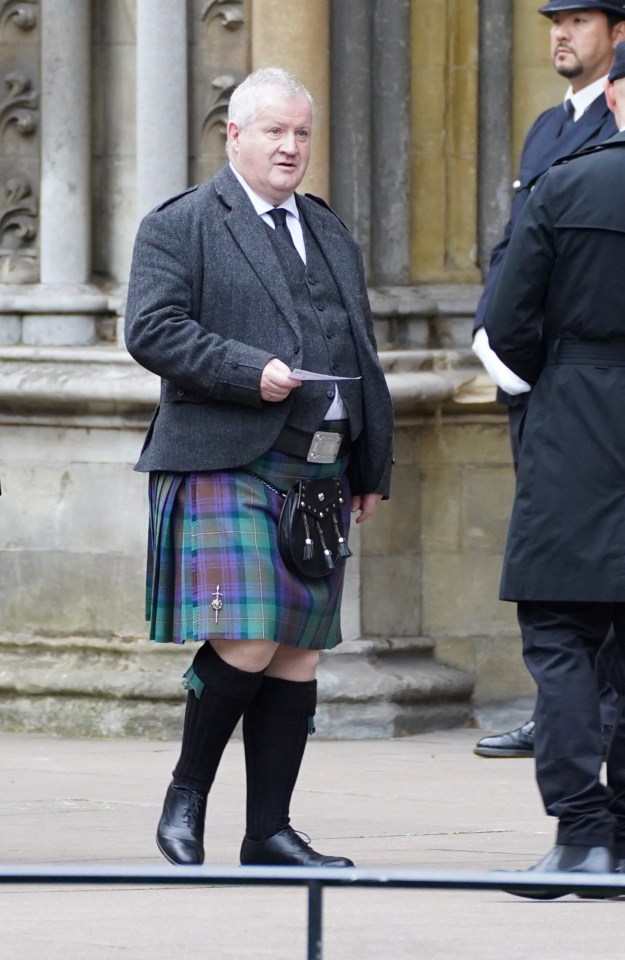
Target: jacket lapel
550, 145
250, 234
586, 128
332, 244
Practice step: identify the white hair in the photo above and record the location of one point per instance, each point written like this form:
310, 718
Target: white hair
244, 100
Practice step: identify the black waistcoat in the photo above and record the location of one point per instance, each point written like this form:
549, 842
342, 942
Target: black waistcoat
328, 343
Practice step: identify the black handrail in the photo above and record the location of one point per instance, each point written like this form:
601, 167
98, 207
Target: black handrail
315, 878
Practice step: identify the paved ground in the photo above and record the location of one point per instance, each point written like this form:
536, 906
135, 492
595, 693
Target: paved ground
422, 802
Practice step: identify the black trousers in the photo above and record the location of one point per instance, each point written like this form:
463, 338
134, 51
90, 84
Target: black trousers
560, 646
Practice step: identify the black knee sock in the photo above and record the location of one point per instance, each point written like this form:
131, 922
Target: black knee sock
275, 731
218, 695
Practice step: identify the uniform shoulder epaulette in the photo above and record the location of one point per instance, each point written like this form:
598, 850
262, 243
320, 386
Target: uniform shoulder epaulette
177, 196
324, 203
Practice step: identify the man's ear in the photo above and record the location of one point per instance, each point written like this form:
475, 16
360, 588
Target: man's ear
618, 32
232, 133
610, 96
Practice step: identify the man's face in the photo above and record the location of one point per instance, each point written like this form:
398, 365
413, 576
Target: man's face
272, 153
581, 45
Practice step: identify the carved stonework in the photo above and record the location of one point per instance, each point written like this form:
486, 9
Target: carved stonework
18, 233
22, 13
21, 106
217, 114
230, 13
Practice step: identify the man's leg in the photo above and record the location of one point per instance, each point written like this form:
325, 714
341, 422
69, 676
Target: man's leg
614, 661
275, 731
559, 641
219, 692
557, 648
518, 742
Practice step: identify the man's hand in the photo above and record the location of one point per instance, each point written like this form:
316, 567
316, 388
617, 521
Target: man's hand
276, 382
366, 504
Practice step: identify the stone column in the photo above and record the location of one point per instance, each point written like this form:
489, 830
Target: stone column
495, 127
298, 40
162, 144
65, 233
390, 148
350, 149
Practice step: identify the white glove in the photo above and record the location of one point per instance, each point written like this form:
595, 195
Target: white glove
505, 378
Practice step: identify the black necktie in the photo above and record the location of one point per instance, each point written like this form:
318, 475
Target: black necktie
569, 116
278, 215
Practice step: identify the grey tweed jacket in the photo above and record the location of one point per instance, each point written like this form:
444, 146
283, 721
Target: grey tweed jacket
209, 306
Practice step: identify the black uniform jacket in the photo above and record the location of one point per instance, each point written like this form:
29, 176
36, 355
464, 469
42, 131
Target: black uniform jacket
557, 318
548, 139
209, 306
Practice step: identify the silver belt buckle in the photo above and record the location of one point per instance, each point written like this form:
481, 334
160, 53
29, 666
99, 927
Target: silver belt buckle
324, 447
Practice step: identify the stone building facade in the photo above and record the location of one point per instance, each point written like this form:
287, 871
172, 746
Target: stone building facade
108, 107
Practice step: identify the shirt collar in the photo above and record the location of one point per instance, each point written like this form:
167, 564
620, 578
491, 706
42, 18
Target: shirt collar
261, 206
584, 97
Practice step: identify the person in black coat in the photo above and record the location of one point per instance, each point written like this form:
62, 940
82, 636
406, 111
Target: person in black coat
556, 318
583, 36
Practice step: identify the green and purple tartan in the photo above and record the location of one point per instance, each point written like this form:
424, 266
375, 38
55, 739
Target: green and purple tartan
216, 533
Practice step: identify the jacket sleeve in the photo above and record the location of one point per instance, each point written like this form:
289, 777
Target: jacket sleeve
514, 315
162, 330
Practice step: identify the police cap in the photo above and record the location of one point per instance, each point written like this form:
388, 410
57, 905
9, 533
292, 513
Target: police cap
618, 67
608, 6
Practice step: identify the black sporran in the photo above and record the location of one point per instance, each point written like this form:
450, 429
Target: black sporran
311, 535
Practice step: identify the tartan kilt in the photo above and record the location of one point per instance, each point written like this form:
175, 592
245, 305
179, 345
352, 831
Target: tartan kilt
215, 532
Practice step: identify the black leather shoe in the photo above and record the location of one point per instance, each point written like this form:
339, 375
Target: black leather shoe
287, 849
515, 743
180, 833
520, 742
570, 858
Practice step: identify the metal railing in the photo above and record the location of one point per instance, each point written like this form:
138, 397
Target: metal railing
316, 879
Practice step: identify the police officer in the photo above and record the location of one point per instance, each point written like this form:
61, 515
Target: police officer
582, 37
565, 554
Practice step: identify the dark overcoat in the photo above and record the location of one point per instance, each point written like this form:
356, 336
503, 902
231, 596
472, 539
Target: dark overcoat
209, 306
557, 318
548, 139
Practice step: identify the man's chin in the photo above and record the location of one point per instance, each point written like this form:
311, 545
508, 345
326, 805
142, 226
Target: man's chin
568, 70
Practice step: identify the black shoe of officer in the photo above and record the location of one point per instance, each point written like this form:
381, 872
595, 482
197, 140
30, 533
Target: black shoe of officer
180, 833
570, 858
286, 849
515, 743
520, 742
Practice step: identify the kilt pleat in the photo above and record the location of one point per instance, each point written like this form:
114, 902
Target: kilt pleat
214, 569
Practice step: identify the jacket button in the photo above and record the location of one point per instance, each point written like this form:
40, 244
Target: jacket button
180, 393
330, 394
234, 364
295, 349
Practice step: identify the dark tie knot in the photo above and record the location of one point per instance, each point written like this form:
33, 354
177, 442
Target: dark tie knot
278, 215
569, 109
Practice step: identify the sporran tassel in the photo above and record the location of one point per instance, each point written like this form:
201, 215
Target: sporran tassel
309, 549
327, 556
343, 548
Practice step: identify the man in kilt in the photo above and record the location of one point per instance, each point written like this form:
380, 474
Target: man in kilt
234, 284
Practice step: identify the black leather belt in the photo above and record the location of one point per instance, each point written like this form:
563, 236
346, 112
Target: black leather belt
299, 443
608, 353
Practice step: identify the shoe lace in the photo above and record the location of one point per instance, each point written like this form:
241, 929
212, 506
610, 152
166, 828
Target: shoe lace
193, 807
304, 837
